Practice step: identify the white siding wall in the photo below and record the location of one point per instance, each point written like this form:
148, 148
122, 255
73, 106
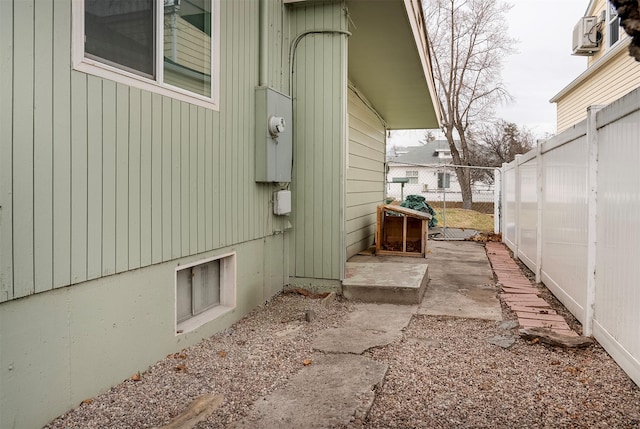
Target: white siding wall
365, 174
427, 185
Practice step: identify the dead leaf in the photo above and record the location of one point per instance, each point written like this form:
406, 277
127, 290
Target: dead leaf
307, 362
308, 294
555, 362
222, 354
534, 341
182, 356
87, 401
572, 369
181, 368
136, 376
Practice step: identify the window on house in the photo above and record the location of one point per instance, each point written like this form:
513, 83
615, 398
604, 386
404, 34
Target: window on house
444, 154
444, 180
412, 175
198, 290
204, 290
168, 46
613, 25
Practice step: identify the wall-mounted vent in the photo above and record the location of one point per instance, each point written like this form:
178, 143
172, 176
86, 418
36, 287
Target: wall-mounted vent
586, 36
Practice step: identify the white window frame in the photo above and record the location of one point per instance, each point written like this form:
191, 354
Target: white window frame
444, 154
413, 177
156, 85
612, 21
445, 181
228, 276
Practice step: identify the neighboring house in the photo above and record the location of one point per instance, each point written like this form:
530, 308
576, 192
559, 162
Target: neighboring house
428, 172
611, 72
141, 166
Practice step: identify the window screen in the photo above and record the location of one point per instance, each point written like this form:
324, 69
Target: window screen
121, 33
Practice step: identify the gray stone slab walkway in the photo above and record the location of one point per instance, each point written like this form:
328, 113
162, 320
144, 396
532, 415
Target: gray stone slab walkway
338, 386
332, 391
370, 325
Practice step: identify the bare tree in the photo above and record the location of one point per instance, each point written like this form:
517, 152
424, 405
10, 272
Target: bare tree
497, 143
468, 41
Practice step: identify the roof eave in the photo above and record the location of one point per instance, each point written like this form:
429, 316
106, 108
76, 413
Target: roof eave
389, 62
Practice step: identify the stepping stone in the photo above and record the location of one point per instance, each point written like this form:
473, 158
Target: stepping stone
326, 393
501, 341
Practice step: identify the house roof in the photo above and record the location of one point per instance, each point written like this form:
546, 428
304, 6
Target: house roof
389, 62
426, 154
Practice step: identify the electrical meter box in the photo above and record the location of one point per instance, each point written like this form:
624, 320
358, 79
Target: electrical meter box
274, 136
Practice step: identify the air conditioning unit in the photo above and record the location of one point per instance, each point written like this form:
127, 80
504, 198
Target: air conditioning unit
586, 36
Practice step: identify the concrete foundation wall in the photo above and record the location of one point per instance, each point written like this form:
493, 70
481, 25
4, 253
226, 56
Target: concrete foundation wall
60, 347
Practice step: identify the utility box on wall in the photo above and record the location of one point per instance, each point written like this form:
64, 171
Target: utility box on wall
282, 202
274, 136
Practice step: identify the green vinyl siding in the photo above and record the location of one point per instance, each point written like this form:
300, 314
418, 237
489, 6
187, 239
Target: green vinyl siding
365, 174
99, 178
6, 150
319, 88
23, 117
43, 147
78, 341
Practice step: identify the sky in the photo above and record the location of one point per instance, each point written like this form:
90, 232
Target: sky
540, 68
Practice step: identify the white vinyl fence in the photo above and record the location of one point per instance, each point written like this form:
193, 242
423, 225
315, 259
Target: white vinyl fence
571, 213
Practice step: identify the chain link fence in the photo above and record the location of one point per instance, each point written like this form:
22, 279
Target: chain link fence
441, 189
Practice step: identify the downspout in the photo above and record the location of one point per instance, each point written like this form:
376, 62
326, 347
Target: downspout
264, 45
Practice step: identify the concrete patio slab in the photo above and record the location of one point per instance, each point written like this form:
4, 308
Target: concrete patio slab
395, 283
461, 282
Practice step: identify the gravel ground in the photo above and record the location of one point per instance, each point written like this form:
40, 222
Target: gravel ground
442, 374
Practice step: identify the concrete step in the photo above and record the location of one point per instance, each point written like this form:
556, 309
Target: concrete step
389, 282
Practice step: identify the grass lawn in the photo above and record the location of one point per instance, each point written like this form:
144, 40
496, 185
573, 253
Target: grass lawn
465, 219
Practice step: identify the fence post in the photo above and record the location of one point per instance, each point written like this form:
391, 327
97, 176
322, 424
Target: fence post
592, 221
517, 207
497, 200
539, 211
503, 204
444, 202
